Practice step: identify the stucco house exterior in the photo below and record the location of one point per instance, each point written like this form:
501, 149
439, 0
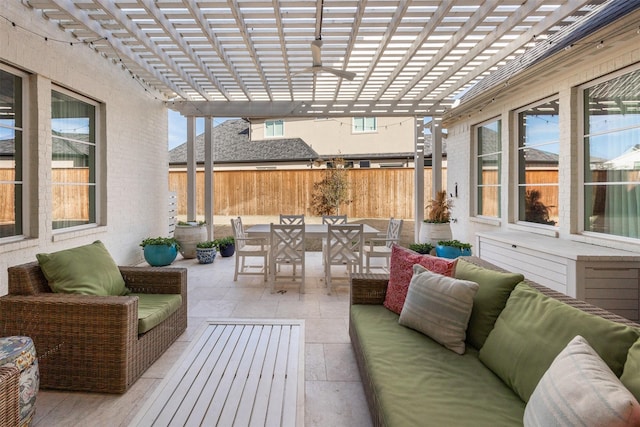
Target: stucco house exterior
295, 143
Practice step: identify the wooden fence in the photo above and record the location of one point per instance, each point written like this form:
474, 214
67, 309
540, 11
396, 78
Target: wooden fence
374, 193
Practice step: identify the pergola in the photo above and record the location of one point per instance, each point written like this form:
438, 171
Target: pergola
253, 58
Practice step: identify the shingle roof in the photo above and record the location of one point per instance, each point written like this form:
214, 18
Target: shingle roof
231, 145
607, 14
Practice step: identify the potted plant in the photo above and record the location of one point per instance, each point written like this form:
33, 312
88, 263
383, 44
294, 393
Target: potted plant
188, 234
160, 251
436, 225
206, 251
452, 249
422, 248
226, 246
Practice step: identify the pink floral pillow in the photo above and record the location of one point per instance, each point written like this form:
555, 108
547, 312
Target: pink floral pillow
401, 272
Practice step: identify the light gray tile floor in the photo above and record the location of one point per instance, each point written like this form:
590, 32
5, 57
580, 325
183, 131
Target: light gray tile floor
333, 390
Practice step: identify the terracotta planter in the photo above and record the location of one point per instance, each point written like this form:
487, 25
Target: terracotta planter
431, 232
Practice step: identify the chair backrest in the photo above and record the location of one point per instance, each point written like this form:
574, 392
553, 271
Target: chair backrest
334, 219
393, 231
291, 219
238, 233
344, 244
286, 242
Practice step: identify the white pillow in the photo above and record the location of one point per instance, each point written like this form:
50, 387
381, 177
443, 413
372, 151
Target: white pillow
439, 307
579, 389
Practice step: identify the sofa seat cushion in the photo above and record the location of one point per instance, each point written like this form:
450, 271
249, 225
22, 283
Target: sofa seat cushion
87, 270
534, 328
489, 301
631, 373
153, 309
416, 380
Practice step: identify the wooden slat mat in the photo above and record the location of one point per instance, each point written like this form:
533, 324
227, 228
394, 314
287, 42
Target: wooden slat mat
237, 373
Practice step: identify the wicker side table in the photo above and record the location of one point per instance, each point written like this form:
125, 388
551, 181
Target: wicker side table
19, 381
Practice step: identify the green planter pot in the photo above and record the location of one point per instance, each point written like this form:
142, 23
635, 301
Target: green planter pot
160, 255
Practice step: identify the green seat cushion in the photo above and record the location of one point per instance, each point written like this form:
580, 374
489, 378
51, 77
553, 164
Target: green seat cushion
534, 328
154, 308
631, 373
87, 270
493, 292
419, 382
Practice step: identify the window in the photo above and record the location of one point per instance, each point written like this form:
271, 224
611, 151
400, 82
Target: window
11, 149
538, 154
365, 124
73, 128
365, 163
611, 154
488, 157
273, 128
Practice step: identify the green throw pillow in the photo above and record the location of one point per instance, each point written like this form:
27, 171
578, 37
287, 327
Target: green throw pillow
631, 373
495, 288
534, 328
87, 270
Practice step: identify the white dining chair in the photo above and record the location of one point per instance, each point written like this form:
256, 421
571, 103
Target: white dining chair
254, 247
343, 248
380, 247
334, 219
291, 219
286, 243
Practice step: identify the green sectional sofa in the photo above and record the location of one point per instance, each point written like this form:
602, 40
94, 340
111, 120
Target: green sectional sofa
516, 330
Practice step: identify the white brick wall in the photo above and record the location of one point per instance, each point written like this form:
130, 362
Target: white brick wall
556, 78
135, 168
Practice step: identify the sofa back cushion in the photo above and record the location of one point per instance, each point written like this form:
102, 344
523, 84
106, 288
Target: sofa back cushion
631, 373
493, 292
87, 270
534, 328
401, 272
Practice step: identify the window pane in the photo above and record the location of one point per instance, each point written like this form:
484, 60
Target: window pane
538, 155
612, 156
358, 124
488, 169
489, 201
73, 161
11, 158
274, 128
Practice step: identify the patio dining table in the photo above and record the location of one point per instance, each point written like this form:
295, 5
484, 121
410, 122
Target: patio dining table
311, 230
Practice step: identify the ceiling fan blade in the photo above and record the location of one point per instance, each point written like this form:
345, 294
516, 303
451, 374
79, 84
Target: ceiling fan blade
316, 53
340, 73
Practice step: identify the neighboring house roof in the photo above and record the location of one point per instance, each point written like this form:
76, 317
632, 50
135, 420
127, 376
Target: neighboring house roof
232, 145
612, 11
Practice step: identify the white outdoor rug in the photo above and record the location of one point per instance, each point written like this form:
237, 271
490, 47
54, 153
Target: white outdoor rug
237, 373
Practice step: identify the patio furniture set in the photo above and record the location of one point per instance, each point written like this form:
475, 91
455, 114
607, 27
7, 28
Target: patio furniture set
283, 244
486, 347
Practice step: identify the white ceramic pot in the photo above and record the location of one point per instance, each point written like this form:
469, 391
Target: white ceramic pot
431, 232
189, 236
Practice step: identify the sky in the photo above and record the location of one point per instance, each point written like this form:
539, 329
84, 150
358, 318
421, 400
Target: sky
178, 128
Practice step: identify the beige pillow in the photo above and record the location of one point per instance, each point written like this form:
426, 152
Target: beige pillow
439, 307
580, 389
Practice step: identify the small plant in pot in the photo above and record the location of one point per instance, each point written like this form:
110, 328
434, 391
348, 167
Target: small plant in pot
206, 251
452, 249
160, 251
436, 226
422, 248
226, 246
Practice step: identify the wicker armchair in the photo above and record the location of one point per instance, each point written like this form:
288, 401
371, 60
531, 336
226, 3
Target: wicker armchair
91, 343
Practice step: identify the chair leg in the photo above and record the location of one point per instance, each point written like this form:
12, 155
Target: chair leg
302, 273
235, 276
368, 263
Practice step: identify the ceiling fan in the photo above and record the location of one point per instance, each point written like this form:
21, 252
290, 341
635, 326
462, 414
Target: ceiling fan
317, 66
